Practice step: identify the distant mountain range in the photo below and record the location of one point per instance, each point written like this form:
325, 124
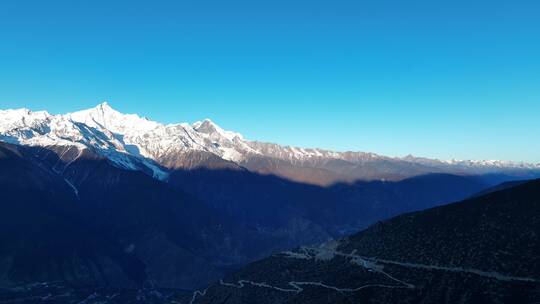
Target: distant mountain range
481, 250
98, 198
135, 143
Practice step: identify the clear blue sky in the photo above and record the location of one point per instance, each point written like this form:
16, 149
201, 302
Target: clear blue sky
447, 79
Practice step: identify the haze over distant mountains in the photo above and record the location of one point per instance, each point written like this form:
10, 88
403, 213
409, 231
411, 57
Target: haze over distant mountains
136, 143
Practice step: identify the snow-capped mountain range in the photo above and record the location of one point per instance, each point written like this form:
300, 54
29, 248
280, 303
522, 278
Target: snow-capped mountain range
136, 143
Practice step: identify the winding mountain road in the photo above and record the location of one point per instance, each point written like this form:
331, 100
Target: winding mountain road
376, 265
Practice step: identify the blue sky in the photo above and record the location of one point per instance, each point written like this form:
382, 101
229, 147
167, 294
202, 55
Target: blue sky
446, 79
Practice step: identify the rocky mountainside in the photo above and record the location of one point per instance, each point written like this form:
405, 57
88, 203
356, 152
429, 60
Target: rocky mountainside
95, 224
183, 233
481, 250
42, 233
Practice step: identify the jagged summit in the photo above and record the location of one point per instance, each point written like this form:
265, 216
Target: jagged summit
104, 104
207, 126
104, 116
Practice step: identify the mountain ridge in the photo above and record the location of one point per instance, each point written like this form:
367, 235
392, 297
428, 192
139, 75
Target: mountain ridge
137, 143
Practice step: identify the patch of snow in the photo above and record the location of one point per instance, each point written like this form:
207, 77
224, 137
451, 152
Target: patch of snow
75, 190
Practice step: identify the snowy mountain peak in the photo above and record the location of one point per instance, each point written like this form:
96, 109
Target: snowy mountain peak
143, 138
208, 127
22, 123
21, 116
104, 116
104, 104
